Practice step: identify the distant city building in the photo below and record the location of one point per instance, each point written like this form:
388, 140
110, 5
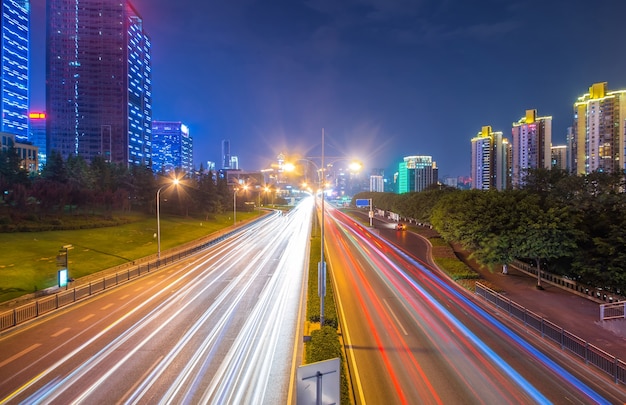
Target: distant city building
226, 160
570, 156
98, 81
377, 183
377, 180
14, 32
172, 147
451, 181
26, 152
490, 166
532, 139
598, 132
37, 135
559, 157
234, 162
416, 173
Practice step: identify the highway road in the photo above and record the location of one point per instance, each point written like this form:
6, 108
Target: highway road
411, 337
219, 327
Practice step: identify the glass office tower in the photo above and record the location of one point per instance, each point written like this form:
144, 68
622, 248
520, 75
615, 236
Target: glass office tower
14, 60
98, 81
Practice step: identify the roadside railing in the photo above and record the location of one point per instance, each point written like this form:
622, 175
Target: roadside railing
589, 353
80, 291
616, 310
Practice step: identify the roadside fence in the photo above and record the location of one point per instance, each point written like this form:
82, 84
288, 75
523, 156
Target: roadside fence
589, 353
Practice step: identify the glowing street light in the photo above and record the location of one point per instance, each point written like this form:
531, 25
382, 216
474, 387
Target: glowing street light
235, 189
158, 214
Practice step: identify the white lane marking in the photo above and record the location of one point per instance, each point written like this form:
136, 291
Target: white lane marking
59, 333
87, 317
395, 317
20, 354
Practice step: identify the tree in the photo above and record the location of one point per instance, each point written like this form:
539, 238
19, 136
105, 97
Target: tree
548, 233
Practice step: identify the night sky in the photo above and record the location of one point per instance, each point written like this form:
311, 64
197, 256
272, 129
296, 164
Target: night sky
384, 78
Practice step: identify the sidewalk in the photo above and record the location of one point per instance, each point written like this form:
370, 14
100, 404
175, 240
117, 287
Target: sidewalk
577, 315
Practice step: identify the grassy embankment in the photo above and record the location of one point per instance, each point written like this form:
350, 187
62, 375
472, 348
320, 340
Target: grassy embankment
28, 260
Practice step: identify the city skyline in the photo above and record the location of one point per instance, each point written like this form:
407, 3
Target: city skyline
384, 79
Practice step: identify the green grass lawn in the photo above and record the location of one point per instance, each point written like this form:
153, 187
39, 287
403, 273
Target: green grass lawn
28, 259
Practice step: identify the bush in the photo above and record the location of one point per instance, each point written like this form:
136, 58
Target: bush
455, 268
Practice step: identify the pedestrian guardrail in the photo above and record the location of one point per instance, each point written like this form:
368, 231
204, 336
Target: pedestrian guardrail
589, 353
616, 310
57, 300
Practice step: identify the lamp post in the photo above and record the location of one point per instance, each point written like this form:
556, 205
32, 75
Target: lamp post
158, 215
235, 189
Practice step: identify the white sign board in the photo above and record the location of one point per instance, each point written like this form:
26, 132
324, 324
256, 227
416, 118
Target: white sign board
318, 383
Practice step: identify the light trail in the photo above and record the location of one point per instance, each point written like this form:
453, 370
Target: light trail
398, 272
252, 312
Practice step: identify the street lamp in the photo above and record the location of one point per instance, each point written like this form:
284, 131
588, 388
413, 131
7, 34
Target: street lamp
321, 266
158, 214
235, 189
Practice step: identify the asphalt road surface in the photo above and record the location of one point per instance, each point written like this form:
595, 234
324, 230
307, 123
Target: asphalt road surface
411, 337
220, 327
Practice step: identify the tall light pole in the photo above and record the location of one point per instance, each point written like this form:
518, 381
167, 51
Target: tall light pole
322, 266
234, 205
158, 215
235, 189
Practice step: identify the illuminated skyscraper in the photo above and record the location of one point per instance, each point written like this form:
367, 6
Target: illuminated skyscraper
98, 81
416, 173
172, 147
37, 136
14, 32
598, 139
532, 139
490, 160
226, 158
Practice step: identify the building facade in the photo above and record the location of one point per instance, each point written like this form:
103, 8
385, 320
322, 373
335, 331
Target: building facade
531, 143
226, 158
490, 165
416, 173
37, 135
14, 30
598, 139
172, 147
26, 152
559, 157
98, 81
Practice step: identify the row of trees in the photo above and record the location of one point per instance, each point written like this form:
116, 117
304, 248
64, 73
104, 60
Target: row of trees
574, 226
76, 186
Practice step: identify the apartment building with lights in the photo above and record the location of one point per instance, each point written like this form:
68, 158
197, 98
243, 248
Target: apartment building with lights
14, 32
531, 145
98, 81
172, 147
416, 173
598, 132
491, 160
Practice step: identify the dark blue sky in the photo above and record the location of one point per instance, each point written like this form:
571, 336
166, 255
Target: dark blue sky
385, 78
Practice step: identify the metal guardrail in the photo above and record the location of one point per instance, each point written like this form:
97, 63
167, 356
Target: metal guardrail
33, 309
589, 353
616, 310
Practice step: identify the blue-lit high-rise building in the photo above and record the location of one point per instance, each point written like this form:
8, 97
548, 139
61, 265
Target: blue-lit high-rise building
98, 81
416, 173
172, 147
14, 29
